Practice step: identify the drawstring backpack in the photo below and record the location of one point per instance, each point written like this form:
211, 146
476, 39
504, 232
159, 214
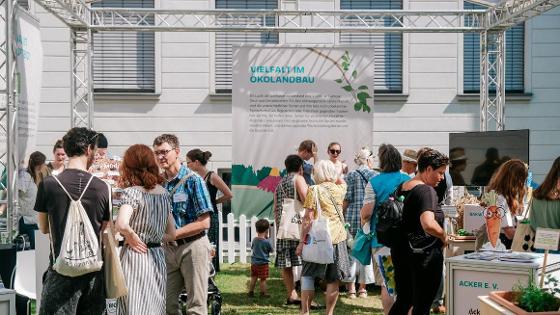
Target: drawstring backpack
80, 252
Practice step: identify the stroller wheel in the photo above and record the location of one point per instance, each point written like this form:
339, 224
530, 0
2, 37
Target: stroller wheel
215, 307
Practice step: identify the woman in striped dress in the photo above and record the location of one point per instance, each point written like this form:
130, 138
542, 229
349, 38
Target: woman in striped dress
145, 221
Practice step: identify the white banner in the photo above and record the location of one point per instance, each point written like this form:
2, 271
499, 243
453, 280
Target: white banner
284, 95
29, 70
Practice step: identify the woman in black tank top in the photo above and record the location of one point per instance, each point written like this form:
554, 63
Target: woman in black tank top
196, 161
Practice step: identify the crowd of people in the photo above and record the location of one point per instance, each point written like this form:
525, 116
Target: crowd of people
168, 218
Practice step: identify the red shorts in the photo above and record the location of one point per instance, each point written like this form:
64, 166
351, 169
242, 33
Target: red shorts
259, 271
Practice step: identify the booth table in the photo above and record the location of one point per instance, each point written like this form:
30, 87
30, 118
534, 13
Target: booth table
467, 279
7, 302
459, 246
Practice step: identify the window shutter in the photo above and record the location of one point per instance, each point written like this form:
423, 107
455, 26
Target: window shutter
514, 58
225, 40
124, 61
388, 47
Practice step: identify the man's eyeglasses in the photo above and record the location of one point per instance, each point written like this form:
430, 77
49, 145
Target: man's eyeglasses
333, 151
161, 153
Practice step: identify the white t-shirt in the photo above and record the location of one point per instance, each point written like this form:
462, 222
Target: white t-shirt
508, 219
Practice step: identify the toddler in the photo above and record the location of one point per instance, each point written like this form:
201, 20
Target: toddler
261, 248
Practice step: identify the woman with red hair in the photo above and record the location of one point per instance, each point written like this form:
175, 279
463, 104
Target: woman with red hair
145, 221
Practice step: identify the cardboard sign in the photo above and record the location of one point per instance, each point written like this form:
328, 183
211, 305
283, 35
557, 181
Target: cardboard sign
473, 217
547, 239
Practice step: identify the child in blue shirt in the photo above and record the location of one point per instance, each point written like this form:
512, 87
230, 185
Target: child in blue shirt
261, 248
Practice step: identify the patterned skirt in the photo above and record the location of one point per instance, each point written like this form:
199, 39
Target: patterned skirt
339, 270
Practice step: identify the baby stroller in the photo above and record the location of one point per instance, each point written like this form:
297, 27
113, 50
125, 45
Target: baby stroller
214, 295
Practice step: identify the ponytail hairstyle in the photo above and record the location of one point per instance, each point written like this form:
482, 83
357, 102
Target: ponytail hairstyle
198, 155
35, 159
139, 168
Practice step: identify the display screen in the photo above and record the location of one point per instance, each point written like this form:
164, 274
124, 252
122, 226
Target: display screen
475, 156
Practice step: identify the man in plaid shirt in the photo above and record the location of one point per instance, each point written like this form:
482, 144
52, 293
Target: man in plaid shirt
187, 258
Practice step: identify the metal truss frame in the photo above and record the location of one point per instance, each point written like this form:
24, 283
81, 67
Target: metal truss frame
492, 80
84, 20
81, 81
8, 116
371, 21
511, 12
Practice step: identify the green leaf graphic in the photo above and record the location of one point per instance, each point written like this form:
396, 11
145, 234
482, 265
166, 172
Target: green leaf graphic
366, 107
363, 96
363, 87
358, 106
354, 74
347, 88
338, 80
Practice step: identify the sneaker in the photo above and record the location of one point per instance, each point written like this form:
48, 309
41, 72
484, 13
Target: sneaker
351, 295
362, 294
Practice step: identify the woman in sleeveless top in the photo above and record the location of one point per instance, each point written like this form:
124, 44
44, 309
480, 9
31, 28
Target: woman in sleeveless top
145, 221
545, 212
196, 161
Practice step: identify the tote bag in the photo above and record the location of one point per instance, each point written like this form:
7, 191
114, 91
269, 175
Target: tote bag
115, 283
318, 247
290, 220
524, 237
362, 245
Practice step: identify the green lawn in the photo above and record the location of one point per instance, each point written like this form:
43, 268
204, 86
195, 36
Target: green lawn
233, 280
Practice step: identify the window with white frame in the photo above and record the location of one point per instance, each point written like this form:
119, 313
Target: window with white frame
124, 61
514, 58
226, 40
387, 47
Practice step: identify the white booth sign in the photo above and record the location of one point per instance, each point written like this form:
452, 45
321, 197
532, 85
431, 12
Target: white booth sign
468, 285
547, 239
473, 218
469, 278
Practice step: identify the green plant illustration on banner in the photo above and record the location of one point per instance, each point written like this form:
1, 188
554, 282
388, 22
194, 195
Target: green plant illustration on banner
361, 93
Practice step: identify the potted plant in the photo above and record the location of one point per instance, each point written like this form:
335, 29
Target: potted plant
530, 299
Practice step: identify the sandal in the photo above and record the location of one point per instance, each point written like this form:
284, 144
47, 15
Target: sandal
362, 293
351, 295
316, 306
293, 302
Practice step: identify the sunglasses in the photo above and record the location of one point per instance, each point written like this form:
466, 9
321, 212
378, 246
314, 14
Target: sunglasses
333, 151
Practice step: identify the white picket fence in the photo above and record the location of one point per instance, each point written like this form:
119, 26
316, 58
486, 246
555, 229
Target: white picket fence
231, 250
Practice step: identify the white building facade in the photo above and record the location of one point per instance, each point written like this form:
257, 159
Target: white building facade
148, 84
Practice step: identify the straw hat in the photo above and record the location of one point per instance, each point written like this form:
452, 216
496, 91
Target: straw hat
457, 154
410, 155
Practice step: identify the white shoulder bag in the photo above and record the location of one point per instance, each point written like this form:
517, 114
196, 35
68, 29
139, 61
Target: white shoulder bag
318, 247
290, 219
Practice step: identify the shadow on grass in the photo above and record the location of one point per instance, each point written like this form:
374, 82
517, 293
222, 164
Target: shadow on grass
233, 282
